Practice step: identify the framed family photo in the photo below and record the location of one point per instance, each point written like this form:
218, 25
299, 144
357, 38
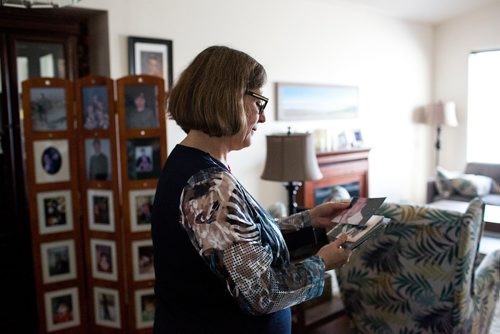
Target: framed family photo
143, 158
141, 205
62, 309
48, 109
141, 106
51, 159
95, 108
98, 159
58, 261
151, 56
144, 308
55, 211
103, 258
142, 260
107, 307
100, 210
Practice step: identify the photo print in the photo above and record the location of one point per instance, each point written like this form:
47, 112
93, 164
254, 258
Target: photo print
97, 159
141, 109
142, 259
51, 158
62, 309
141, 205
103, 254
58, 261
95, 108
144, 308
107, 307
143, 158
55, 211
360, 210
48, 109
100, 210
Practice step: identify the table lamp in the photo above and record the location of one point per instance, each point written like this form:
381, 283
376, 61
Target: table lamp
440, 114
291, 159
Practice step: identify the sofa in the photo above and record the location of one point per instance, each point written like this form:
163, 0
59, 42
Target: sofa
422, 274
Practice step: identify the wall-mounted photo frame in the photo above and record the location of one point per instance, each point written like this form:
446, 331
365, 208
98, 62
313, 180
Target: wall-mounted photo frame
141, 205
316, 102
144, 308
55, 211
51, 159
58, 261
62, 309
142, 260
97, 159
100, 209
141, 107
95, 108
151, 56
107, 307
103, 258
143, 158
48, 109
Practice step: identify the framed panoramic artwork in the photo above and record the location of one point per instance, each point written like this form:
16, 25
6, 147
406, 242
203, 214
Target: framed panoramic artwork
58, 261
315, 102
103, 258
62, 309
141, 204
51, 161
48, 109
144, 308
100, 210
107, 307
142, 260
55, 211
151, 56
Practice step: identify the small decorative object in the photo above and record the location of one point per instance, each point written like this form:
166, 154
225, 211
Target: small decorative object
358, 138
337, 193
342, 141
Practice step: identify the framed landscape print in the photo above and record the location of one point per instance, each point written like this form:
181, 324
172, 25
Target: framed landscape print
100, 210
103, 258
62, 309
97, 159
48, 109
144, 308
55, 211
142, 260
143, 158
58, 261
141, 204
95, 108
151, 57
107, 307
51, 159
141, 107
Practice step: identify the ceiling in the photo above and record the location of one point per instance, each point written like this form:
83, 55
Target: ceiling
429, 11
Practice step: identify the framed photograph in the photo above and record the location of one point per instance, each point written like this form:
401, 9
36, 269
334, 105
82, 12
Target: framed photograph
107, 307
141, 205
100, 210
103, 258
144, 308
151, 56
55, 211
51, 159
141, 107
62, 309
358, 138
143, 158
316, 102
95, 108
97, 159
142, 260
48, 109
58, 261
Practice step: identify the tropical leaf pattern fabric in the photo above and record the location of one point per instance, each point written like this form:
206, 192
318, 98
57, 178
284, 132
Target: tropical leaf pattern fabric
422, 274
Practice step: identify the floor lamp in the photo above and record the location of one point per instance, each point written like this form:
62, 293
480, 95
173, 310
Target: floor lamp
439, 114
291, 158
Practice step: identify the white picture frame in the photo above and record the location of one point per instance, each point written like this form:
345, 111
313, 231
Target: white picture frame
107, 307
100, 209
62, 309
51, 160
58, 261
55, 211
103, 259
142, 260
144, 308
140, 205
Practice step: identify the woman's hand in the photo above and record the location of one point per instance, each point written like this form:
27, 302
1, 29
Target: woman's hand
333, 255
322, 215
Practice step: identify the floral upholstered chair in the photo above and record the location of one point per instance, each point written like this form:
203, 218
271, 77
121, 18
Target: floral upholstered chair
422, 274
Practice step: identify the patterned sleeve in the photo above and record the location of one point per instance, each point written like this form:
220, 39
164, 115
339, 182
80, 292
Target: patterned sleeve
244, 247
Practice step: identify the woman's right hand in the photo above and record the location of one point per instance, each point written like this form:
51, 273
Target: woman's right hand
333, 255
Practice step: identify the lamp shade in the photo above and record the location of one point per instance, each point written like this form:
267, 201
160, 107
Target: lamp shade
442, 114
291, 157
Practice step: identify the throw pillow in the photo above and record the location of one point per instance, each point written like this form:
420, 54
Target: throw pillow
472, 185
495, 187
443, 182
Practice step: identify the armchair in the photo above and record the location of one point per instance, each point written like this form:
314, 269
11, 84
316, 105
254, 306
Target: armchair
422, 274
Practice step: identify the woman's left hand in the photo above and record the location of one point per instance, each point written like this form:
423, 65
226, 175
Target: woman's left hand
322, 215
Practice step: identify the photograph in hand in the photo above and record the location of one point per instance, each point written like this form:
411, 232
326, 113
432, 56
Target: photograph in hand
360, 210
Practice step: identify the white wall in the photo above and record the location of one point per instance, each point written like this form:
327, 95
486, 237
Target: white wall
455, 39
306, 41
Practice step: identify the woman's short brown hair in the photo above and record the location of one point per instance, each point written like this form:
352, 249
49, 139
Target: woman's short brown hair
208, 95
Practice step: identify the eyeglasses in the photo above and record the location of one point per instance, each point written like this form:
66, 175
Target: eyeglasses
263, 100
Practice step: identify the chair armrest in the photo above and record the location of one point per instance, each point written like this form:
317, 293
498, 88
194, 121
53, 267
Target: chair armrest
487, 276
431, 190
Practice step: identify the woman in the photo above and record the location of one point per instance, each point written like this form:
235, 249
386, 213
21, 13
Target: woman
221, 264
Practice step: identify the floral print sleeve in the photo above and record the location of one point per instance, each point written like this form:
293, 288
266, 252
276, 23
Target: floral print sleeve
243, 246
